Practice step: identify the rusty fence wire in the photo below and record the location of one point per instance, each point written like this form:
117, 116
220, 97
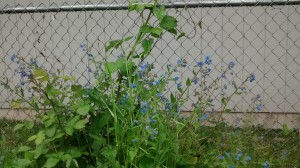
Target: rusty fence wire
262, 37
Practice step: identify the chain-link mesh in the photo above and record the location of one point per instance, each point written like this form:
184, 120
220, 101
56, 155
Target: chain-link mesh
261, 37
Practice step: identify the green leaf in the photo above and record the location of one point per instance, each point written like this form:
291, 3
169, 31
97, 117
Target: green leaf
18, 126
23, 149
173, 99
159, 12
51, 131
181, 35
70, 125
155, 31
146, 162
83, 110
76, 88
116, 43
112, 67
188, 82
139, 7
40, 138
29, 124
40, 74
224, 100
80, 124
172, 31
168, 22
147, 45
132, 154
51, 162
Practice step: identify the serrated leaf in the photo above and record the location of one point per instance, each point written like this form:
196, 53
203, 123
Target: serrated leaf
83, 110
41, 75
159, 12
51, 162
168, 22
147, 45
80, 124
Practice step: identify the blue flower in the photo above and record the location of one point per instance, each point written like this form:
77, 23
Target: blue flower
230, 166
132, 85
176, 78
221, 157
144, 66
134, 140
32, 61
266, 164
152, 120
205, 116
178, 85
181, 62
123, 100
136, 122
259, 107
231, 64
140, 74
248, 158
207, 60
159, 95
22, 83
225, 86
199, 64
13, 57
227, 154
258, 96
223, 76
252, 77
195, 81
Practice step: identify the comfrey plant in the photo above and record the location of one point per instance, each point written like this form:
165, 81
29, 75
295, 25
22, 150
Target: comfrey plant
126, 118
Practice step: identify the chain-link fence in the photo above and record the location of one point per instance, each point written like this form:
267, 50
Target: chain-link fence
260, 36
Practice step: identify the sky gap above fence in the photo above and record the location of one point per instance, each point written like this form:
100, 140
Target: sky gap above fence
203, 3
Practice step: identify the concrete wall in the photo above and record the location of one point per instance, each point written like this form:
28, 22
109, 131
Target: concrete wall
264, 40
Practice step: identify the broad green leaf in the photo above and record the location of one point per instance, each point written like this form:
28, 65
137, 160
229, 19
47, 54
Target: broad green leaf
29, 124
23, 149
83, 110
40, 138
23, 162
139, 7
76, 88
146, 29
156, 32
40, 74
33, 137
132, 154
168, 22
173, 31
51, 162
147, 45
70, 125
146, 162
51, 131
18, 126
159, 12
80, 124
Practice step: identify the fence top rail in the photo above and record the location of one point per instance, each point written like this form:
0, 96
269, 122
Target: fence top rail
200, 3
